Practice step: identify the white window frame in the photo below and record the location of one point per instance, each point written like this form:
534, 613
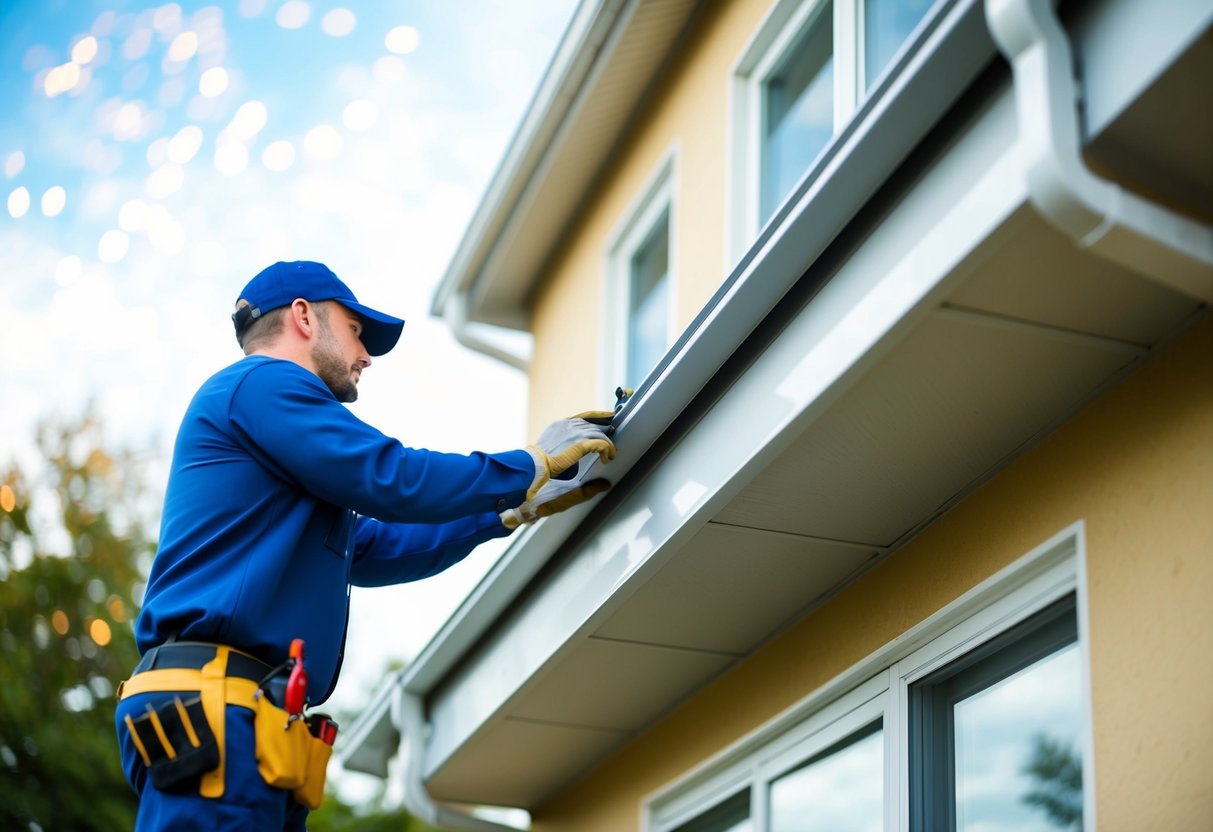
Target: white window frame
656, 198
781, 27
879, 686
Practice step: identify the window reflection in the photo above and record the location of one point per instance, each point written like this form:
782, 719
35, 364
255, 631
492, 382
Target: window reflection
648, 302
1017, 764
839, 790
887, 23
798, 111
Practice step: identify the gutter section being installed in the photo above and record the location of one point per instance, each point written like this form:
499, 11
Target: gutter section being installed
1098, 215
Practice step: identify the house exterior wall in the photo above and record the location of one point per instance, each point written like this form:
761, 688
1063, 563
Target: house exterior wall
1136, 466
688, 114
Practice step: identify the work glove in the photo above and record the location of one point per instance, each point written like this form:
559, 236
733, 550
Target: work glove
554, 497
564, 442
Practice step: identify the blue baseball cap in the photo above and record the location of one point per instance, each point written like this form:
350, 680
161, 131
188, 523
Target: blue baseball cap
282, 282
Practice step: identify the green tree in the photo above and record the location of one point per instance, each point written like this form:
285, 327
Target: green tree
1056, 772
66, 638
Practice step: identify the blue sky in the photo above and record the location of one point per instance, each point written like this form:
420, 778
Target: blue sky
153, 157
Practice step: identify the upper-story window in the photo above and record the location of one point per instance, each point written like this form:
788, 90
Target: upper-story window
802, 77
639, 304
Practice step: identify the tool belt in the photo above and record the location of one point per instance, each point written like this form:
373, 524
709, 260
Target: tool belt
182, 741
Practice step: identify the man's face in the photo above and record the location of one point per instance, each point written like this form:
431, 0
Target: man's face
338, 353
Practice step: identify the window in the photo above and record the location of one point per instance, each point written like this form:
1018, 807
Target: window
798, 83
837, 790
982, 727
639, 295
995, 735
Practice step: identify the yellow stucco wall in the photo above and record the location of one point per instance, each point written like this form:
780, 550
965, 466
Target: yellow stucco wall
1137, 467
689, 115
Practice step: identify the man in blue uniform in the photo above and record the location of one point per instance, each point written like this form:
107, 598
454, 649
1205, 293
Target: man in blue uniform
278, 500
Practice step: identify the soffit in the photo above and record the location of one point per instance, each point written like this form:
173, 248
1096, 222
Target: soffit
499, 262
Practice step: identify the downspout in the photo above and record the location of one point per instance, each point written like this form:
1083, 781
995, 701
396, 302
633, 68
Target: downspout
414, 729
1099, 215
454, 311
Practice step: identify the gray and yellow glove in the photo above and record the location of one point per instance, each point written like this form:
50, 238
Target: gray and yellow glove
554, 497
564, 442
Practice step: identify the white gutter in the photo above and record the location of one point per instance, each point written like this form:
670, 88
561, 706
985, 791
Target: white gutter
455, 313
410, 714
1099, 215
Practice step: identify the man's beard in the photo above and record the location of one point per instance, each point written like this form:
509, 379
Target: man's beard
326, 355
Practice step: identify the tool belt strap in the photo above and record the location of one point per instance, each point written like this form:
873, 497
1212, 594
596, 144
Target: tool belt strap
237, 691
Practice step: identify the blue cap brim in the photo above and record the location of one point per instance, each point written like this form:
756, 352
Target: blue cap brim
380, 332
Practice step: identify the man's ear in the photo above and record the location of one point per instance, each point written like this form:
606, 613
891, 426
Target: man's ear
303, 317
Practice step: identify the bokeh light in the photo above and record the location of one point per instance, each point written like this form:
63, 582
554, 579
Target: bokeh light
388, 70
18, 202
402, 40
53, 201
8, 500
322, 142
338, 23
132, 214
113, 246
60, 622
84, 50
183, 47
185, 145
99, 631
13, 163
293, 14
278, 156
247, 122
213, 83
61, 79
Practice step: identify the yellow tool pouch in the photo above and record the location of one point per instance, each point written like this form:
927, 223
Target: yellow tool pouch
288, 756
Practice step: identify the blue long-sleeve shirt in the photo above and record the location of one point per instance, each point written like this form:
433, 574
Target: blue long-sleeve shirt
279, 499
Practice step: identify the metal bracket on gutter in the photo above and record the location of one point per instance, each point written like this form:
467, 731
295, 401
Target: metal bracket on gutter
455, 313
409, 714
1099, 215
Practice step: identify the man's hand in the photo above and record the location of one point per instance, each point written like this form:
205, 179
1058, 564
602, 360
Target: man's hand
564, 442
554, 497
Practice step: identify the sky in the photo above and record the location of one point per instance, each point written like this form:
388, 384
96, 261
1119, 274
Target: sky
154, 157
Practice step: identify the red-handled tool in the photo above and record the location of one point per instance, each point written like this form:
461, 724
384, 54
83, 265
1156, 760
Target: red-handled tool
296, 683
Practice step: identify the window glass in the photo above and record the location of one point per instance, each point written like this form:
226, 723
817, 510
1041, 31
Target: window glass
731, 816
994, 736
839, 790
798, 110
648, 302
887, 24
1018, 765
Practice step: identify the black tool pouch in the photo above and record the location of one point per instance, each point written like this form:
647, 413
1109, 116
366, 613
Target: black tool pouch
178, 743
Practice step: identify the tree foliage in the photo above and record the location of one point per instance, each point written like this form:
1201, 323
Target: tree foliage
1056, 772
66, 636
